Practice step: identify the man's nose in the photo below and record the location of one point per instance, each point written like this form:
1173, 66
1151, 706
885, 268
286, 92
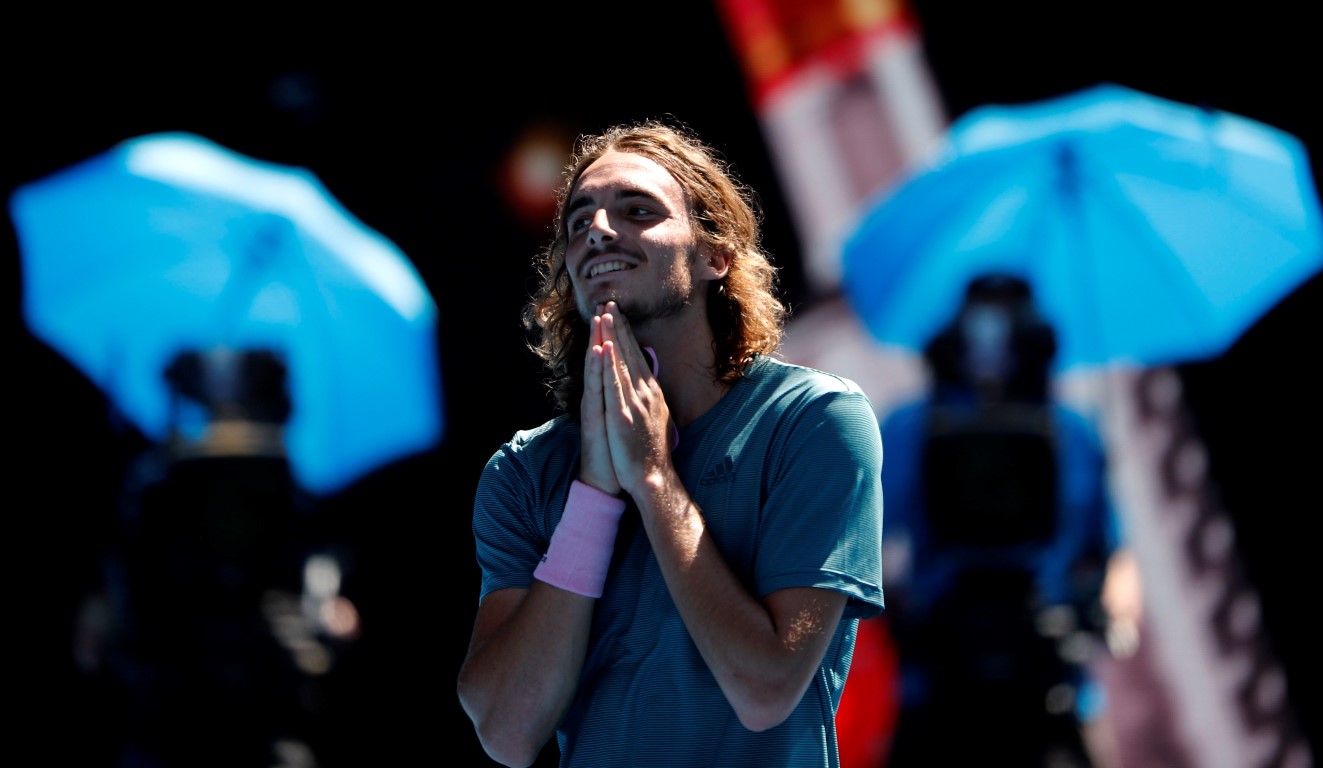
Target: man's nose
599, 229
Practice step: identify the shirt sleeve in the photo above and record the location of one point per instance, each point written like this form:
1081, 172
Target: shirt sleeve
508, 542
822, 521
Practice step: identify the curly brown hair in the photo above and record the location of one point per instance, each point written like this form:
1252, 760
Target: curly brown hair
747, 317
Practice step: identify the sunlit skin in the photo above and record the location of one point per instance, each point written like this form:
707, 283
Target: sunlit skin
630, 240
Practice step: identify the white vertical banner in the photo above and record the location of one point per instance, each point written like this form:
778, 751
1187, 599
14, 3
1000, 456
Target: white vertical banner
846, 103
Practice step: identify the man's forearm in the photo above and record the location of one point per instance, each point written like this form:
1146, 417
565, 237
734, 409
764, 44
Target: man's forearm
763, 655
523, 666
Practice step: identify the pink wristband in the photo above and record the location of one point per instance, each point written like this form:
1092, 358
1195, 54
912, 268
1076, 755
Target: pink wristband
583, 542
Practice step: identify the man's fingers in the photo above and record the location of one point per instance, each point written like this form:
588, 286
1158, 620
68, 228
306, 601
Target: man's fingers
596, 467
592, 363
615, 327
615, 375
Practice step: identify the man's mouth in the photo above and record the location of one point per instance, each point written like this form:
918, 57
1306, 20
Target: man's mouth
602, 267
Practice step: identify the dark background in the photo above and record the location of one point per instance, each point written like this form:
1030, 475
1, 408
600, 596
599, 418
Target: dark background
406, 116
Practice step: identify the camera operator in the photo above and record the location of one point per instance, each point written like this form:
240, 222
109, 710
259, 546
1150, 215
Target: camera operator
999, 532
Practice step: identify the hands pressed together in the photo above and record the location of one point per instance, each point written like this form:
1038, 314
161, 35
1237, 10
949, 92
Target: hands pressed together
626, 424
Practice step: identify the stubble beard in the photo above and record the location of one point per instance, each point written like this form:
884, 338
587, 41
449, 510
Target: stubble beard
675, 298
670, 303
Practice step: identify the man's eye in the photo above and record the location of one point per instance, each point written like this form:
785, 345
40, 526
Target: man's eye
578, 223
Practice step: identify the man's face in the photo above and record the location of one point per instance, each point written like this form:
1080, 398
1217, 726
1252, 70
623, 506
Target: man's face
630, 240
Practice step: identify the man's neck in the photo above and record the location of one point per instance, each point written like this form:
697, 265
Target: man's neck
686, 369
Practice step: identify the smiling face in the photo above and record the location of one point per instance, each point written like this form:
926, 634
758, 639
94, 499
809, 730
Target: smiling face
630, 240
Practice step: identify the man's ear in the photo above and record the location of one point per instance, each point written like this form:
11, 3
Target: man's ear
714, 264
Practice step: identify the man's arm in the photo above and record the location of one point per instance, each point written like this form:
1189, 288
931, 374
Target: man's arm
764, 653
528, 646
522, 668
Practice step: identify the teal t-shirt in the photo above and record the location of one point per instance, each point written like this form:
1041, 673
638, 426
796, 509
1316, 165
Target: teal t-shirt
786, 469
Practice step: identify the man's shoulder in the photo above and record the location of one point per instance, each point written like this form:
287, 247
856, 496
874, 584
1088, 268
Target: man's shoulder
538, 451
785, 373
548, 431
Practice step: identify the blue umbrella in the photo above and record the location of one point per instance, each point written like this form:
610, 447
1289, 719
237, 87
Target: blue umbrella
169, 243
1152, 232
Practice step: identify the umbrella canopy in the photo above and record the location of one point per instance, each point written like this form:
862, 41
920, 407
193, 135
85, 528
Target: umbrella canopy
170, 243
1151, 232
